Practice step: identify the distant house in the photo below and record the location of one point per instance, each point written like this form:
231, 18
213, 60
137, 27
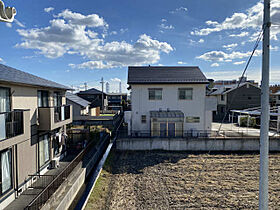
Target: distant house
168, 101
230, 97
116, 101
94, 96
81, 107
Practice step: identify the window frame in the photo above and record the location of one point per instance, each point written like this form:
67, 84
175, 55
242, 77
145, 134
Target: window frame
222, 97
155, 96
9, 97
11, 171
143, 119
185, 98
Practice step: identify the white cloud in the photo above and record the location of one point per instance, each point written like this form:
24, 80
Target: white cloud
116, 80
1, 60
242, 34
123, 30
72, 36
9, 25
253, 74
192, 42
19, 23
215, 65
239, 62
220, 56
48, 9
166, 27
163, 20
181, 62
252, 18
78, 19
114, 33
180, 9
230, 46
201, 41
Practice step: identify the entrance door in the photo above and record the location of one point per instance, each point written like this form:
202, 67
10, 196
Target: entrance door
171, 129
163, 129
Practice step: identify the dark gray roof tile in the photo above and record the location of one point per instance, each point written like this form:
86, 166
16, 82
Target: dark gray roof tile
76, 99
166, 75
9, 74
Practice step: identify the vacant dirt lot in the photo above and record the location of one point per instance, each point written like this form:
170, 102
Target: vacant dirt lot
165, 180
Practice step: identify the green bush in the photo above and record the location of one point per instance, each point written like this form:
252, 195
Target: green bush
244, 121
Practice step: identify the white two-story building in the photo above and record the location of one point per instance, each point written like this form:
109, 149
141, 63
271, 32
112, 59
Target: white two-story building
168, 101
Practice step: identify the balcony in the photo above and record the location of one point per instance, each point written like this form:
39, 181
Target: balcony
51, 118
14, 126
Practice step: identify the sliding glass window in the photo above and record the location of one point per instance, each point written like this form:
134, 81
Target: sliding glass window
44, 150
43, 98
6, 171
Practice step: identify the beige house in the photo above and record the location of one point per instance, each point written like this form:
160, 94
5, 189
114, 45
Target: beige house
33, 119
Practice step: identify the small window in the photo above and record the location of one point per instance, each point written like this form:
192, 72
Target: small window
155, 94
185, 93
143, 119
249, 97
222, 97
279, 97
192, 119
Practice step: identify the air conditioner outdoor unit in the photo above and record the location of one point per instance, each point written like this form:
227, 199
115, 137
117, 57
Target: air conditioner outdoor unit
54, 163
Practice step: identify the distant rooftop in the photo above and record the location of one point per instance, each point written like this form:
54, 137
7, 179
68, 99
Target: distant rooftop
165, 75
76, 99
9, 74
92, 91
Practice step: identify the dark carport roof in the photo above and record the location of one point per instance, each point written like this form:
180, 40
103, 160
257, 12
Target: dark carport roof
165, 75
167, 114
9, 74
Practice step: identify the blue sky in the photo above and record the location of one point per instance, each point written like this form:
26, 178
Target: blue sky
73, 42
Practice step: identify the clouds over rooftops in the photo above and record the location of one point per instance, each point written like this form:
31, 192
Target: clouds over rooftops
74, 33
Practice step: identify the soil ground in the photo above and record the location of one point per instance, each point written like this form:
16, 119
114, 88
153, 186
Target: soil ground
177, 180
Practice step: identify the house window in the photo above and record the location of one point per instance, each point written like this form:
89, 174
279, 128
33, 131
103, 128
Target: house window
192, 119
6, 171
185, 93
155, 94
143, 119
222, 97
279, 97
43, 98
44, 150
57, 99
5, 105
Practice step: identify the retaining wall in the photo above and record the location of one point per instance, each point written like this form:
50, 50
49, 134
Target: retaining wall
207, 144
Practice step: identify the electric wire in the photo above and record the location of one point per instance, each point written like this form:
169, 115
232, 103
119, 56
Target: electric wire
227, 111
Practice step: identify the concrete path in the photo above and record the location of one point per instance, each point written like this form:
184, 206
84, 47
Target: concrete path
231, 128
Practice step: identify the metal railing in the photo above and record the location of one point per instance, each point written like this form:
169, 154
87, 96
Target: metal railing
48, 191
61, 113
13, 124
192, 134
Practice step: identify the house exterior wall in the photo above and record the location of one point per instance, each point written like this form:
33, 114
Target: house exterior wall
244, 97
141, 105
25, 147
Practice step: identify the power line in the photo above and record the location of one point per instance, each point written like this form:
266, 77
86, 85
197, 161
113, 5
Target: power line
234, 94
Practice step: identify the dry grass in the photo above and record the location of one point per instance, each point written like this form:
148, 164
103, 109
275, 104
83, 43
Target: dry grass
165, 180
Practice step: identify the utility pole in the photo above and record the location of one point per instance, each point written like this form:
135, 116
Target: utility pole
102, 106
264, 138
120, 87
